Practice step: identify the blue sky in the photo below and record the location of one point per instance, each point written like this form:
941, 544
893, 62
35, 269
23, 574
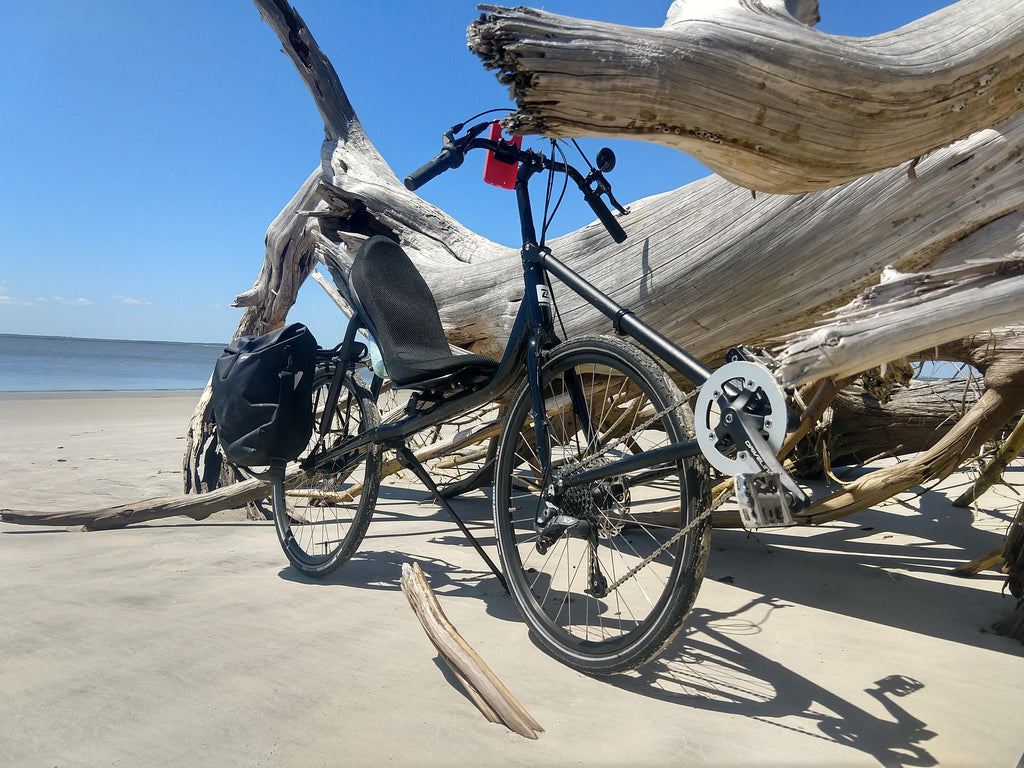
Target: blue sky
146, 146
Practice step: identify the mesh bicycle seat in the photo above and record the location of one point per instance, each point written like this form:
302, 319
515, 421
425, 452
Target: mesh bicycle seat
396, 305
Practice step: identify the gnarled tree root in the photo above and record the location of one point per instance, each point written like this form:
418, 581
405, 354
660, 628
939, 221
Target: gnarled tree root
993, 471
998, 404
1013, 554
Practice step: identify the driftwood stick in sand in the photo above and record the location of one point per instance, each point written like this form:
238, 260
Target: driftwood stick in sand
979, 564
196, 506
483, 687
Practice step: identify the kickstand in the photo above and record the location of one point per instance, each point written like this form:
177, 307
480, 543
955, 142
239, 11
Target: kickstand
409, 461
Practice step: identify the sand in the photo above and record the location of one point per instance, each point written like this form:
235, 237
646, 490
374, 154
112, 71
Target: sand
180, 643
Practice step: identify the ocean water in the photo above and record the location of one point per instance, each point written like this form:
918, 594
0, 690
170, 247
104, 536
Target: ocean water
59, 364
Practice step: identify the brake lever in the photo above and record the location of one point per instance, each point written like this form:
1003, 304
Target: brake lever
458, 145
614, 202
476, 130
602, 187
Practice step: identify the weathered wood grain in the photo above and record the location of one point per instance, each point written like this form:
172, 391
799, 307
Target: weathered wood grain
710, 265
905, 314
755, 93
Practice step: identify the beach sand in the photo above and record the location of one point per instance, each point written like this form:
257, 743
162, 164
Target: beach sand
182, 643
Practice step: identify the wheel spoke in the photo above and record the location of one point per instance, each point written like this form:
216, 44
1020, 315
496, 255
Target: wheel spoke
321, 522
621, 535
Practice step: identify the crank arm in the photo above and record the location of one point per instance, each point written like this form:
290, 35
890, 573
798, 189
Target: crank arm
755, 451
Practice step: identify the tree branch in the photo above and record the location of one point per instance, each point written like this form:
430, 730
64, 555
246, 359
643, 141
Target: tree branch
754, 93
905, 314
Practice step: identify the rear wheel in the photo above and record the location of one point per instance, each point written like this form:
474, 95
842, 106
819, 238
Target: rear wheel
603, 572
321, 515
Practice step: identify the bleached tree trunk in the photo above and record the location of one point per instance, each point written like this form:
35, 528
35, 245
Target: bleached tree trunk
710, 264
751, 90
771, 104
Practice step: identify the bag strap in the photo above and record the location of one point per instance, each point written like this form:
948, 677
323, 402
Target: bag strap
286, 396
275, 473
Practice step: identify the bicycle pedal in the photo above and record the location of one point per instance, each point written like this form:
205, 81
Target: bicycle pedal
762, 501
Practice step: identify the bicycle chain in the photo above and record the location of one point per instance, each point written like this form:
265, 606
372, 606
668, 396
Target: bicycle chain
675, 537
589, 459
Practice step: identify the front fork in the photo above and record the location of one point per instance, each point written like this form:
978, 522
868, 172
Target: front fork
549, 522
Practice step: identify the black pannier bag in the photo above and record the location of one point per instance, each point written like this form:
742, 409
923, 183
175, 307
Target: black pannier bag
263, 396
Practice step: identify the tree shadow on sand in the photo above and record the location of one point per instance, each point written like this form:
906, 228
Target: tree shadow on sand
711, 669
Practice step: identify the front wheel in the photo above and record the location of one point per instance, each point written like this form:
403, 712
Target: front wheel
321, 515
604, 572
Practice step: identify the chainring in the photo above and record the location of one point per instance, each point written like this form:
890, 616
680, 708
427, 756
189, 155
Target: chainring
767, 406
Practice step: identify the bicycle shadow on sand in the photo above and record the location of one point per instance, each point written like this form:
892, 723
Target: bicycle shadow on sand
710, 668
382, 570
707, 668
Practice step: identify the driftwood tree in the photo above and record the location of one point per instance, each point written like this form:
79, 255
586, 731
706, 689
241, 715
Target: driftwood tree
888, 173
754, 92
901, 154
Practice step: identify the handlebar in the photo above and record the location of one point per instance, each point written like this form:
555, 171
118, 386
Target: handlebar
454, 150
450, 156
605, 216
433, 168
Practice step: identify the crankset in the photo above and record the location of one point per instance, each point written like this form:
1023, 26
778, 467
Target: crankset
744, 389
740, 421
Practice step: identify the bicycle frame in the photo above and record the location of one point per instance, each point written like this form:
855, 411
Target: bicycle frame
601, 491
532, 334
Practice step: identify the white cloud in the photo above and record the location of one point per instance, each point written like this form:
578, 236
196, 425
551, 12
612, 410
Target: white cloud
14, 301
6, 298
129, 300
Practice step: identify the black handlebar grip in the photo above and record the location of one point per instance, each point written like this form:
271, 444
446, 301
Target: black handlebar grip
606, 217
448, 158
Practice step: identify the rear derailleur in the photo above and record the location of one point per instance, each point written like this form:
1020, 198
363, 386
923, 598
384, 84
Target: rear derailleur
551, 524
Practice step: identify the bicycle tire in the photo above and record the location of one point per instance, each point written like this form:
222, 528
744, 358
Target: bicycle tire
642, 612
322, 514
